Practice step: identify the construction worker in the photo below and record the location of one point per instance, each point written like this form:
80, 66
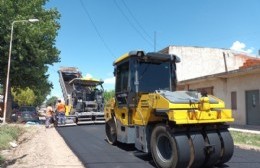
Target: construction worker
48, 116
60, 108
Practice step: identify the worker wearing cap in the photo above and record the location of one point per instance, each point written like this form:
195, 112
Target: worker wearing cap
60, 108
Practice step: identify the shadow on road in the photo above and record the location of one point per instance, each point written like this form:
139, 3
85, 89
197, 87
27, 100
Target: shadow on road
131, 148
144, 156
222, 166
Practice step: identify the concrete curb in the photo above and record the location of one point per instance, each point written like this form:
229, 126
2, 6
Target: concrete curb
244, 130
247, 147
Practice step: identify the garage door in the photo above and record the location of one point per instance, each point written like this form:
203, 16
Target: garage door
253, 107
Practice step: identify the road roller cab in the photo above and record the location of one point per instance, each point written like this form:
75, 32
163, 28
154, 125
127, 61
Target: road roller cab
179, 128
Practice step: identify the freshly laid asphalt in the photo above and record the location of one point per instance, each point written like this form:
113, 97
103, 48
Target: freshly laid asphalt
89, 144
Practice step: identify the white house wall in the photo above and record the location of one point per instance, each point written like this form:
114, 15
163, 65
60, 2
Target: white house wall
197, 61
222, 89
242, 84
219, 87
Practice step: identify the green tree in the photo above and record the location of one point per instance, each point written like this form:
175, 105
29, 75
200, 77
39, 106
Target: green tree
33, 46
24, 97
108, 95
51, 101
1, 89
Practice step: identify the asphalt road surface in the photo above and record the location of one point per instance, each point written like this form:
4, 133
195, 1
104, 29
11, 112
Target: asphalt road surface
89, 144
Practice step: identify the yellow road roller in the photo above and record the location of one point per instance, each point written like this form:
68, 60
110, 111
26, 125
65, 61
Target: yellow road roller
179, 128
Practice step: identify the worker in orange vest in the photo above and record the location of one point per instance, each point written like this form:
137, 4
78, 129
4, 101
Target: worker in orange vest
60, 108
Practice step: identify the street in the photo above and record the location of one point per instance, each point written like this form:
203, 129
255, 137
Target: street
89, 144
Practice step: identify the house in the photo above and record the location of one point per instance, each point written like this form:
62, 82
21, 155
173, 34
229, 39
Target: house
233, 77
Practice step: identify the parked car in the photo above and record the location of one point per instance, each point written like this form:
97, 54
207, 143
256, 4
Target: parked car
25, 114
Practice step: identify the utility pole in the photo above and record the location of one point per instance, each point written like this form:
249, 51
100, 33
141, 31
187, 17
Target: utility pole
9, 63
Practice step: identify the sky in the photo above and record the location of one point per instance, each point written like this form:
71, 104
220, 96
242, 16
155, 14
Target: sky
94, 33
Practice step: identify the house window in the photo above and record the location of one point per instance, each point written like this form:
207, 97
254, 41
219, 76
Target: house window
209, 90
180, 87
233, 100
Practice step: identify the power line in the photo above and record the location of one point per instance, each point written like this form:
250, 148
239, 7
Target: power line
96, 29
131, 24
136, 21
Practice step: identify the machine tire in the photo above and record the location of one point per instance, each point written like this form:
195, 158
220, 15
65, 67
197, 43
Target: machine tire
214, 154
111, 134
169, 150
198, 152
227, 145
76, 120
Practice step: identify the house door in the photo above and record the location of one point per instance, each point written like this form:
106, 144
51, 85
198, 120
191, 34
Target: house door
253, 107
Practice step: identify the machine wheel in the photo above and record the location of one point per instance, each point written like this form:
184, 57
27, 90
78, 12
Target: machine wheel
169, 150
213, 148
227, 146
76, 120
197, 146
111, 132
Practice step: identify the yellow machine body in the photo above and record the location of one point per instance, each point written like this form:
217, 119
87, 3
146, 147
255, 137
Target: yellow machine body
145, 112
179, 128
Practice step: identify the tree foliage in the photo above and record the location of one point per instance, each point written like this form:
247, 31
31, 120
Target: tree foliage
33, 46
51, 101
24, 97
108, 95
1, 89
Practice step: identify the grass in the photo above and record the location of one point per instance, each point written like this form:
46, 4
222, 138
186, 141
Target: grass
8, 133
246, 138
1, 160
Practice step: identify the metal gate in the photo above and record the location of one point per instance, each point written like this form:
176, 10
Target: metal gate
252, 107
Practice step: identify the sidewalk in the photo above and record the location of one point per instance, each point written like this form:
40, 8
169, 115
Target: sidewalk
254, 129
